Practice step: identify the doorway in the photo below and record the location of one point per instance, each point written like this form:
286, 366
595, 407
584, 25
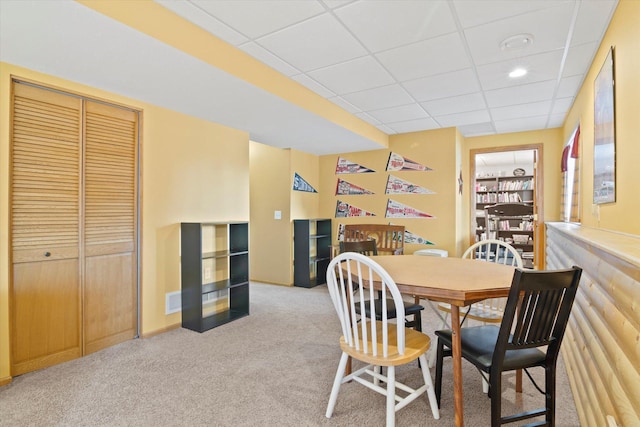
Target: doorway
512, 175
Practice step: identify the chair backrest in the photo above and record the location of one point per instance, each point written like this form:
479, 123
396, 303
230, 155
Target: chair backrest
494, 251
364, 247
361, 331
389, 238
537, 311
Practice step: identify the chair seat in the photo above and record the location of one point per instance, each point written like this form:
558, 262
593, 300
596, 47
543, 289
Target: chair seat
409, 309
416, 343
479, 342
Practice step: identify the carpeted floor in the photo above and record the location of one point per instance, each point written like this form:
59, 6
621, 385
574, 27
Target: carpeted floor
272, 368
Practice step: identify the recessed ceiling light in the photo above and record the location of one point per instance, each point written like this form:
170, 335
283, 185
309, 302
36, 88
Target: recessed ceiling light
517, 42
518, 72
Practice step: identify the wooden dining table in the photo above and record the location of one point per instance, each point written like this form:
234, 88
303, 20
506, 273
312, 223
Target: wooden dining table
456, 281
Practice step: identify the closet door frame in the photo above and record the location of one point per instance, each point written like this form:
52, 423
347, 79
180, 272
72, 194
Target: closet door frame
81, 260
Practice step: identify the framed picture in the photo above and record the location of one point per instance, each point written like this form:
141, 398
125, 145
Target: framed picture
604, 147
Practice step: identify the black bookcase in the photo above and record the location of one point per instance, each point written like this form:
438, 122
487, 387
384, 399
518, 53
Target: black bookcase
311, 251
215, 273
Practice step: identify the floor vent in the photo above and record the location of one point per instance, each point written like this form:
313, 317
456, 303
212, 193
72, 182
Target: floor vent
173, 302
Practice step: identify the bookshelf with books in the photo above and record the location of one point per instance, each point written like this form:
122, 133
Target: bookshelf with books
500, 189
513, 224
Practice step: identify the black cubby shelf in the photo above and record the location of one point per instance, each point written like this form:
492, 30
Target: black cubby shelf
214, 272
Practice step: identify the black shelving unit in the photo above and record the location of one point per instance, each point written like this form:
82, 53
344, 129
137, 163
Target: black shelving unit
311, 251
215, 273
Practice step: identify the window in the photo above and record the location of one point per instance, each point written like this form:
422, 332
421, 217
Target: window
570, 208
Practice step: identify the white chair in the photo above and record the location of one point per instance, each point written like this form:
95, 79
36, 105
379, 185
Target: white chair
489, 310
376, 343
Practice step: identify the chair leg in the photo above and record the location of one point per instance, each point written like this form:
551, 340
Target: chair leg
439, 357
495, 385
391, 396
550, 394
431, 395
336, 384
417, 320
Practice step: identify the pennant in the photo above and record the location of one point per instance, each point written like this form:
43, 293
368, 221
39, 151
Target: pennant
346, 188
345, 210
399, 186
300, 184
398, 163
399, 210
345, 166
409, 237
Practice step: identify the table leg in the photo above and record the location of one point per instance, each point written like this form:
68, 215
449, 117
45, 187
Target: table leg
457, 365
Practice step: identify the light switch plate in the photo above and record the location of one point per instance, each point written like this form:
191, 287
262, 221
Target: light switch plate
277, 215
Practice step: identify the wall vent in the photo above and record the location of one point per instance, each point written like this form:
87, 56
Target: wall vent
173, 302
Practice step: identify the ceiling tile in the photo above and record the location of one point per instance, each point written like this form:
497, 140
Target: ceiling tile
386, 129
443, 85
477, 129
593, 20
207, 22
472, 13
484, 40
524, 110
413, 125
353, 76
268, 58
455, 104
460, 119
540, 67
429, 57
385, 24
313, 85
255, 18
561, 106
396, 114
579, 59
521, 125
556, 120
533, 92
315, 43
569, 86
380, 97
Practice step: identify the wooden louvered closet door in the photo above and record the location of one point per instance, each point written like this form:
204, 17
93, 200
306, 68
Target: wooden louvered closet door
73, 227
110, 297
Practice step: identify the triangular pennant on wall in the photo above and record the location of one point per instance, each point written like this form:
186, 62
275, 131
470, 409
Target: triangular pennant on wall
299, 184
346, 188
400, 186
397, 162
344, 210
409, 237
399, 210
345, 166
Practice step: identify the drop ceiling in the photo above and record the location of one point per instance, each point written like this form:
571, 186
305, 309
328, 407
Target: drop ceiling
402, 66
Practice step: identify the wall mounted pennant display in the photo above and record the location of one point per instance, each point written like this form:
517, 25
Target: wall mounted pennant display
345, 210
346, 188
397, 162
399, 210
400, 186
409, 237
345, 166
300, 184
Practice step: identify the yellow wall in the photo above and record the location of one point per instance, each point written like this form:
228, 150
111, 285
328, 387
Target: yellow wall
436, 149
624, 35
191, 170
270, 191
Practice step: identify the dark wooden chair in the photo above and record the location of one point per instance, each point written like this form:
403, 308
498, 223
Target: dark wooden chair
530, 334
369, 248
